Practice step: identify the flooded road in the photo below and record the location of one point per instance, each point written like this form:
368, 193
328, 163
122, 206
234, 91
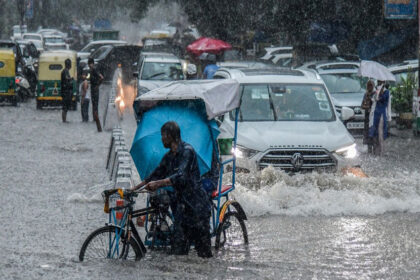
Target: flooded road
311, 226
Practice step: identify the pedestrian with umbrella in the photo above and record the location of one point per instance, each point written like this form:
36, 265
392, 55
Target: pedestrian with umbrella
367, 106
211, 67
207, 49
380, 112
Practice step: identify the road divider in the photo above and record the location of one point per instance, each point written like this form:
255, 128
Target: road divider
119, 162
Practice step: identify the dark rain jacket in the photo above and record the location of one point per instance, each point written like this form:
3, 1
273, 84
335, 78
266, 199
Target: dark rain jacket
95, 81
66, 84
182, 169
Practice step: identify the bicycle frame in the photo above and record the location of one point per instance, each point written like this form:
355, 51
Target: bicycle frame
233, 160
126, 225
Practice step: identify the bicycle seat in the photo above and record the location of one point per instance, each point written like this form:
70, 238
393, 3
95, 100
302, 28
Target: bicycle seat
225, 188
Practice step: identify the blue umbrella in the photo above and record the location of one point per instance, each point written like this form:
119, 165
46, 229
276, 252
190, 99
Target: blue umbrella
147, 149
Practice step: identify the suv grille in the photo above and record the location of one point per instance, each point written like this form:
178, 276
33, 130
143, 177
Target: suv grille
298, 159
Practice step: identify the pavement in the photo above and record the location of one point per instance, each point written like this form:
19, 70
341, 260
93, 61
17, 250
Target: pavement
402, 133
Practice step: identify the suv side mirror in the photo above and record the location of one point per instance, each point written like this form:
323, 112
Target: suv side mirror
346, 113
135, 74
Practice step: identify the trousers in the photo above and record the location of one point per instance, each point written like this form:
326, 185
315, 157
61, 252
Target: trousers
187, 233
84, 108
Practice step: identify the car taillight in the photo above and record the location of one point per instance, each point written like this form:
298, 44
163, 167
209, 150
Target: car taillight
17, 80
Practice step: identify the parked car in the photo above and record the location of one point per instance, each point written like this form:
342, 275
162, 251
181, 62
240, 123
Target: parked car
94, 45
35, 38
18, 31
287, 120
107, 58
54, 42
51, 31
157, 69
401, 70
244, 64
157, 43
346, 87
281, 56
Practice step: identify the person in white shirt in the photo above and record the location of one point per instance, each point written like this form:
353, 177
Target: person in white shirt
85, 94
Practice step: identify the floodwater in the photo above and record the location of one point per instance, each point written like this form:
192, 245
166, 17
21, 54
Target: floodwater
311, 226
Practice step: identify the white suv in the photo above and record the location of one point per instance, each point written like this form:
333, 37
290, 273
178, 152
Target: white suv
157, 69
287, 120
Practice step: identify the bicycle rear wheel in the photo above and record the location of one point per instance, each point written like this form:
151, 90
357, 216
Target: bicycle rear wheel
102, 244
231, 232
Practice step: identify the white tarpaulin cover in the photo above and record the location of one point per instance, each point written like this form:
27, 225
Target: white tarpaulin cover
375, 70
219, 96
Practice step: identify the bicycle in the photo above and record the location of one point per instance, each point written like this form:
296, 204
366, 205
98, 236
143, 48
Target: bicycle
195, 100
119, 238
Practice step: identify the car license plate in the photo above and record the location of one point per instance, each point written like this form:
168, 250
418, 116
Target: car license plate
355, 125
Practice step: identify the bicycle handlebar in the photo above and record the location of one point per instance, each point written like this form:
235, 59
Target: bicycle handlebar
125, 193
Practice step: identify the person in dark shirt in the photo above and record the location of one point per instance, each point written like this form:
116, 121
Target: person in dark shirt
179, 169
96, 79
66, 89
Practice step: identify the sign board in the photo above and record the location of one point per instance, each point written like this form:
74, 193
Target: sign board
102, 23
400, 9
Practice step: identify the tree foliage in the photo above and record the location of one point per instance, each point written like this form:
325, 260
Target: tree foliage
232, 20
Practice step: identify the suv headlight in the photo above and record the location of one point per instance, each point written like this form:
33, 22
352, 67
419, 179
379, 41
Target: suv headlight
242, 152
348, 151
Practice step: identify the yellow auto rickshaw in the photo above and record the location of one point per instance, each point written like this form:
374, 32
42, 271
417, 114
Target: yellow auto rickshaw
49, 78
7, 77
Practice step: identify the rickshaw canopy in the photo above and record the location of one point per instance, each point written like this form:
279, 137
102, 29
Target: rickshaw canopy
219, 96
7, 63
147, 149
52, 63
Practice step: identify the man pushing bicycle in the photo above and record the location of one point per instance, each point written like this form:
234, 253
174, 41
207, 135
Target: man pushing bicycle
191, 206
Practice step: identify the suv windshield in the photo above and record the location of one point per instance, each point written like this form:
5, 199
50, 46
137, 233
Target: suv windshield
285, 102
162, 71
344, 83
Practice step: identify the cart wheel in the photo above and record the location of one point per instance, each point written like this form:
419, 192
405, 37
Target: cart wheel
38, 105
232, 232
15, 101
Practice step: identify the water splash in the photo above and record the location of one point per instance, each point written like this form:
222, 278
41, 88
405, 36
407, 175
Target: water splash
330, 194
91, 195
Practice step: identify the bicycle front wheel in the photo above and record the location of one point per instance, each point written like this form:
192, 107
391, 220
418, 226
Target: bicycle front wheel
231, 232
109, 243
